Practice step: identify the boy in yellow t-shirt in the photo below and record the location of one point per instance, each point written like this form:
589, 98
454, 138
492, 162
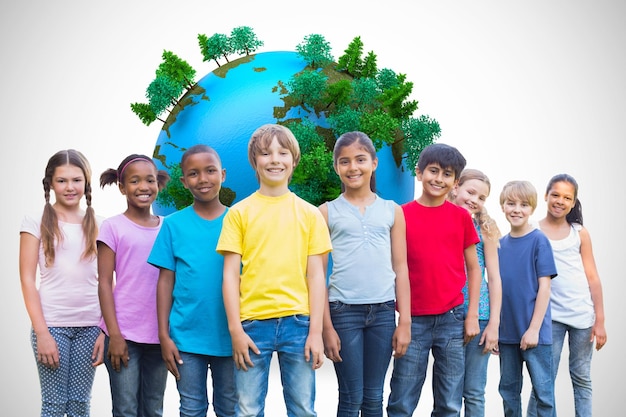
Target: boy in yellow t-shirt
273, 244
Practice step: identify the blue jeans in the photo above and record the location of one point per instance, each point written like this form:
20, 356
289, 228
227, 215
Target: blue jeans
443, 334
539, 364
192, 385
476, 363
286, 336
580, 353
138, 390
67, 389
366, 334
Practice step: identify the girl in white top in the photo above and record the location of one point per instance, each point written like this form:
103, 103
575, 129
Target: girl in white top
63, 304
576, 293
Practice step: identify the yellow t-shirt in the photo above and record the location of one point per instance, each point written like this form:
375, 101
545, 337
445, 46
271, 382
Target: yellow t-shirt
274, 236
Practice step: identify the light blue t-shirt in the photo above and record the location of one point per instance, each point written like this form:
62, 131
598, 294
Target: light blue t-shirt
186, 245
362, 270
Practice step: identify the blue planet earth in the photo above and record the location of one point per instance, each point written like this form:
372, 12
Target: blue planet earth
227, 105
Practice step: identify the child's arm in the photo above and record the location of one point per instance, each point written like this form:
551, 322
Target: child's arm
316, 281
595, 287
169, 351
118, 349
47, 350
242, 343
474, 278
402, 334
332, 343
489, 339
530, 338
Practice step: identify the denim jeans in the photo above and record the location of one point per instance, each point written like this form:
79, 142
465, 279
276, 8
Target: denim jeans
67, 389
139, 388
580, 353
443, 334
476, 363
192, 385
539, 365
286, 336
366, 334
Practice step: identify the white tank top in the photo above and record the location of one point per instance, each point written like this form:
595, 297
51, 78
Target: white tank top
570, 296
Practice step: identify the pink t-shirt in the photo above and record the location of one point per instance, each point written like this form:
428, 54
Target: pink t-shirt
68, 289
436, 240
135, 282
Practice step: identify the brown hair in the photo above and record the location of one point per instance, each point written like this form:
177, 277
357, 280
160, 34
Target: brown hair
50, 231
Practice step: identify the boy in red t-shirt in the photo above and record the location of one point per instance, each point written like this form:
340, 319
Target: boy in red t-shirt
441, 241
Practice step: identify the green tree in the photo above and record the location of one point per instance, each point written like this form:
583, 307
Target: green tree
338, 93
418, 133
176, 69
369, 69
386, 79
351, 61
364, 94
344, 119
315, 50
308, 87
162, 93
218, 45
394, 99
243, 40
380, 126
144, 112
208, 54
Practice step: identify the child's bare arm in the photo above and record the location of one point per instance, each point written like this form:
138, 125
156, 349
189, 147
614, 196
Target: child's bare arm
472, 328
530, 339
316, 281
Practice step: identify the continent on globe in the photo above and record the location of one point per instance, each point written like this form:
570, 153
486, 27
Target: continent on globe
225, 107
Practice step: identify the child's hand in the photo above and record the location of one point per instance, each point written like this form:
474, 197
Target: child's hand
171, 356
530, 339
242, 345
47, 351
332, 344
314, 350
401, 340
98, 351
118, 352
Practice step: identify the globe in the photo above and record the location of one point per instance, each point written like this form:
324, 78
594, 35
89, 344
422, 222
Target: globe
226, 106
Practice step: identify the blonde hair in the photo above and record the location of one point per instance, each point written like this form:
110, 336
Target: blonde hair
522, 191
488, 226
263, 137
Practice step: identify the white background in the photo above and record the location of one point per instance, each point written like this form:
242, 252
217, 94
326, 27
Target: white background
525, 90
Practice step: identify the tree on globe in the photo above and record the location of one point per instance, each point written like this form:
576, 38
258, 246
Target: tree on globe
309, 92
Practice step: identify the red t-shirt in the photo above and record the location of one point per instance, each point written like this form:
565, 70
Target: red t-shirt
436, 240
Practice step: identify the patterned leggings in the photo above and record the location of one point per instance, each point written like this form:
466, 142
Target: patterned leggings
67, 390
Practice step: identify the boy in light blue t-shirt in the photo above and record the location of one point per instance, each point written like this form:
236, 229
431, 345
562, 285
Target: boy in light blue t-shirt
193, 329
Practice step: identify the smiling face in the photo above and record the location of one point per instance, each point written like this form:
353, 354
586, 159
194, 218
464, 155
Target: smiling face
274, 166
68, 185
203, 176
436, 184
355, 166
560, 199
472, 195
139, 184
517, 213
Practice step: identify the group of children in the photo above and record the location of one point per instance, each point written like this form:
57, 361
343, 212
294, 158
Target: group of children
212, 288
